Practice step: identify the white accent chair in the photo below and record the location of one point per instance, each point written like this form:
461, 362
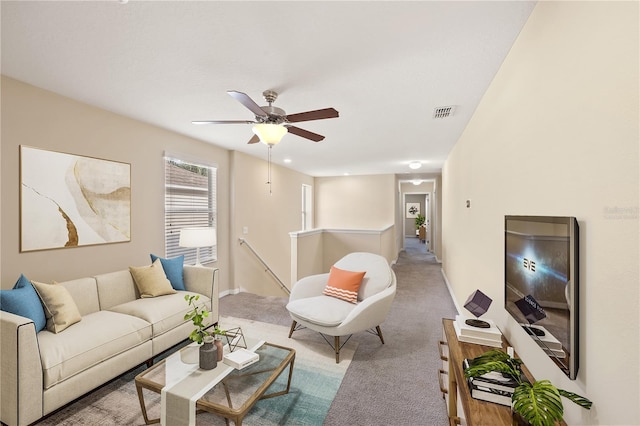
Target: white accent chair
330, 316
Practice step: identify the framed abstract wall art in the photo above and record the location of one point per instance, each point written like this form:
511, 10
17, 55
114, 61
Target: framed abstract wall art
413, 210
70, 201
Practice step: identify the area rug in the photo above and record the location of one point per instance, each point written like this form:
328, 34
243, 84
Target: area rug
315, 382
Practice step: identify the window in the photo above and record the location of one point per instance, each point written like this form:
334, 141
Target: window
307, 207
189, 201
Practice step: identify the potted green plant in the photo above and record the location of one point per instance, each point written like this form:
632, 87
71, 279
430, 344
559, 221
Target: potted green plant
537, 403
197, 315
420, 220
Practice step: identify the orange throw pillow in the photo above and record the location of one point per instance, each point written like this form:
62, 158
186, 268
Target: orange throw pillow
343, 284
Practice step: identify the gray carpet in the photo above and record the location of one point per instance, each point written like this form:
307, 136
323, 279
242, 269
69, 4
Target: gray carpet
395, 383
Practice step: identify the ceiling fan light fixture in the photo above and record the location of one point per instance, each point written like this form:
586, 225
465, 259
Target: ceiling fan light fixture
269, 134
415, 165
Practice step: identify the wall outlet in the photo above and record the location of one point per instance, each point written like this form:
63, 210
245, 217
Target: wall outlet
245, 230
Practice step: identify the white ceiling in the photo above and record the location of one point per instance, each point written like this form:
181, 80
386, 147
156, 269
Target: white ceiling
384, 66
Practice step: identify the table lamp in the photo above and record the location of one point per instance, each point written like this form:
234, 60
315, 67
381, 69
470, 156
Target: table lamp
197, 237
478, 304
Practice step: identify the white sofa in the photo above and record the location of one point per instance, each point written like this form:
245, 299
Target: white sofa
41, 372
310, 308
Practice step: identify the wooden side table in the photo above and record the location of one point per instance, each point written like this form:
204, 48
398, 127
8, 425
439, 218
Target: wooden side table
456, 392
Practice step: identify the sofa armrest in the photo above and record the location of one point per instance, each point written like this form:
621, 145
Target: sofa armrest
310, 286
20, 371
203, 280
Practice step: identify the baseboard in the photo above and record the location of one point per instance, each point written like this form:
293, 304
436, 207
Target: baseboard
453, 297
228, 292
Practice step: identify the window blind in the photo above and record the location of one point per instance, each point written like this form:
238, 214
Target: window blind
190, 201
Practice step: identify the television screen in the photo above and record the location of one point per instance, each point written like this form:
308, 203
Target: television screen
541, 283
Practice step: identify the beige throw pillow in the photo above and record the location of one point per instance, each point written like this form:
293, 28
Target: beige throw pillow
59, 308
151, 280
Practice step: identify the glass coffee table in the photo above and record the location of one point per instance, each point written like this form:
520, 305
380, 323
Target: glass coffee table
235, 394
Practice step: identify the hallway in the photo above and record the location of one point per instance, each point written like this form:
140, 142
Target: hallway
414, 247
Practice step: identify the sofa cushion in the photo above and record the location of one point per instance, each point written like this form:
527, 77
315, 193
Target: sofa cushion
343, 284
164, 313
379, 274
59, 307
85, 293
99, 336
173, 269
151, 280
321, 310
115, 288
24, 301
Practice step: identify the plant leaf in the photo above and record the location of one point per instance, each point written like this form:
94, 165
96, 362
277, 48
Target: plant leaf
494, 360
539, 404
577, 399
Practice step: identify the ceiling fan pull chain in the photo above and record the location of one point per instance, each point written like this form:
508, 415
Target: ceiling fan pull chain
269, 168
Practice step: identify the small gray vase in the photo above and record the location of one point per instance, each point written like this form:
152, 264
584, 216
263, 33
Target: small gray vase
208, 354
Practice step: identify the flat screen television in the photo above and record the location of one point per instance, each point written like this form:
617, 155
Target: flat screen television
541, 283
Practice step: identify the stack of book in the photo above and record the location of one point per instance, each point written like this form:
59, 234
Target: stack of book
492, 387
241, 358
482, 336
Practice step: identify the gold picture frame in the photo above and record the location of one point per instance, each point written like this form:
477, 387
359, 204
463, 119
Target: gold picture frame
69, 200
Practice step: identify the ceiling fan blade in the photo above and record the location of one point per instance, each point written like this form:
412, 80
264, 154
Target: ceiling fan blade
318, 114
222, 122
254, 139
305, 133
245, 100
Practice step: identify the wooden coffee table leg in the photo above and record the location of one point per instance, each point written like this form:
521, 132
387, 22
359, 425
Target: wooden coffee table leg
285, 391
143, 407
290, 373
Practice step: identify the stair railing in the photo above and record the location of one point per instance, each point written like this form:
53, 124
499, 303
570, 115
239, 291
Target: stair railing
267, 268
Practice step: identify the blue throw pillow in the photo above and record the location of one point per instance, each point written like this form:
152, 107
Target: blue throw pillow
173, 270
24, 301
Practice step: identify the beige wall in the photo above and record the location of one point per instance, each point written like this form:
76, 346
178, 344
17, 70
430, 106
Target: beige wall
34, 117
339, 243
557, 134
355, 202
307, 251
314, 252
269, 219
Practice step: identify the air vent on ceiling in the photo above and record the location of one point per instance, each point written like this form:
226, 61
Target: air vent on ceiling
443, 112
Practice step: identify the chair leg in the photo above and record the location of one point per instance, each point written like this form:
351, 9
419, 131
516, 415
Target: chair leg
337, 345
293, 327
380, 334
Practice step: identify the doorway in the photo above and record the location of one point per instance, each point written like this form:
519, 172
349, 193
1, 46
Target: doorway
422, 195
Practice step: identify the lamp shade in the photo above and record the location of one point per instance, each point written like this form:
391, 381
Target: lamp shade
269, 134
197, 237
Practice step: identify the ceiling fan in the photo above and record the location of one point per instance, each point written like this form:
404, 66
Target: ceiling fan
270, 119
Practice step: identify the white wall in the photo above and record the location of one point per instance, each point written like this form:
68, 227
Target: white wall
557, 134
